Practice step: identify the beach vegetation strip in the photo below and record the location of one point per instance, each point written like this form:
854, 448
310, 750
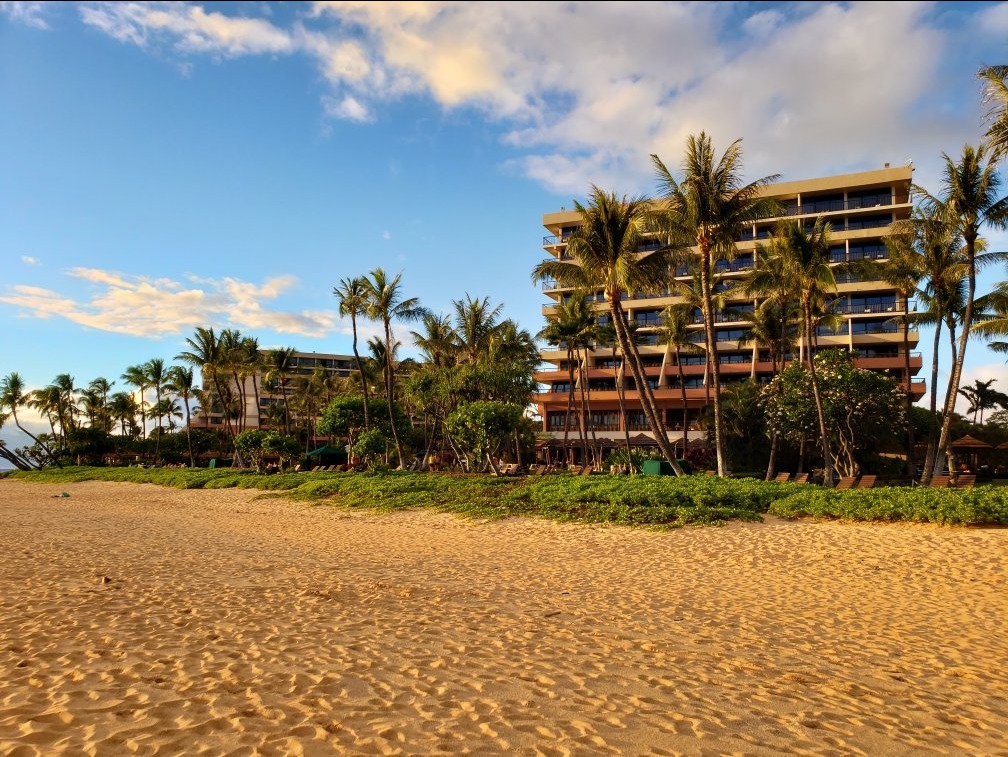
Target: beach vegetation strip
648, 501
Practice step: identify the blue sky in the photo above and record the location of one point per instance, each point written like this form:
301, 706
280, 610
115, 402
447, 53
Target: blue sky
169, 165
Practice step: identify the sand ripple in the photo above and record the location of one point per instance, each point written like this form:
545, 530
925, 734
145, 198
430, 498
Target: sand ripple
136, 619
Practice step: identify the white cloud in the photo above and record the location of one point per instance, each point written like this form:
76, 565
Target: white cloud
30, 260
386, 235
27, 13
349, 108
585, 91
142, 306
192, 29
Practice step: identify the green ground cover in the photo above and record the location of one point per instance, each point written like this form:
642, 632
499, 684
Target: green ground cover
651, 501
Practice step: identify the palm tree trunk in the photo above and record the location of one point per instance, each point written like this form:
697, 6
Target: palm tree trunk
957, 369
188, 433
933, 433
618, 376
389, 392
583, 425
715, 372
360, 370
34, 438
823, 432
570, 401
643, 388
772, 465
682, 392
911, 468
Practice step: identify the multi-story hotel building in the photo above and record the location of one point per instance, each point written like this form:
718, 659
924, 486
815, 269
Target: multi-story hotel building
256, 415
860, 208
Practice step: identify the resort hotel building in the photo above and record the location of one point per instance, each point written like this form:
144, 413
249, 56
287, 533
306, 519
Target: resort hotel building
259, 396
860, 207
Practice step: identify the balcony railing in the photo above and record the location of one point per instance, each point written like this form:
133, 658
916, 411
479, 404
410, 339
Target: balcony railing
833, 206
846, 308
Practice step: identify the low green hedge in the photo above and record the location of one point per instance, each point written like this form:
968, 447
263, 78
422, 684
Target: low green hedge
656, 501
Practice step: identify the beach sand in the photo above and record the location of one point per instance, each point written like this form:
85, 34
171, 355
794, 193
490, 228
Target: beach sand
140, 619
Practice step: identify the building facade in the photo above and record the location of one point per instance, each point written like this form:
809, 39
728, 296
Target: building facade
259, 396
860, 208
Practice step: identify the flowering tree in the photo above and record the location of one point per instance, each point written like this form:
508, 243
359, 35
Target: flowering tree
861, 406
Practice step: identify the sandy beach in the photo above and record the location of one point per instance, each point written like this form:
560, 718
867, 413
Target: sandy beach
140, 619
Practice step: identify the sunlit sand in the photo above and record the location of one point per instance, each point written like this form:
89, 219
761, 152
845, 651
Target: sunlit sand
135, 618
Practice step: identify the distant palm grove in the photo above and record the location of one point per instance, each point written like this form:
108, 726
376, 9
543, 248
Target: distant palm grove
465, 402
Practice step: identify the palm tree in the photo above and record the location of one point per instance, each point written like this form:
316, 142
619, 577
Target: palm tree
675, 333
206, 353
279, 369
969, 198
475, 322
996, 94
805, 262
353, 301
607, 336
181, 381
135, 375
102, 387
386, 304
941, 295
123, 408
437, 340
904, 269
994, 307
13, 396
605, 253
154, 370
564, 324
982, 397
63, 390
710, 206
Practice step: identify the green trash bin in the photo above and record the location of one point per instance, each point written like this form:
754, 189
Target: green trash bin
657, 468
213, 462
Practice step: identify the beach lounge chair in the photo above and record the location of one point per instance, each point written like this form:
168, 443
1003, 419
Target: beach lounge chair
866, 482
965, 481
846, 482
801, 478
939, 482
782, 477
586, 471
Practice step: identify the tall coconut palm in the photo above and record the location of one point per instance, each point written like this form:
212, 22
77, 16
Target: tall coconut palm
205, 352
436, 340
970, 199
352, 294
182, 381
805, 262
103, 387
904, 269
711, 206
156, 373
675, 334
605, 255
565, 325
995, 81
386, 304
136, 376
607, 336
995, 321
64, 393
941, 294
123, 408
475, 322
279, 369
13, 396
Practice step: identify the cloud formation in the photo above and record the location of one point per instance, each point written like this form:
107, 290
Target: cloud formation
29, 13
30, 260
584, 92
141, 306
